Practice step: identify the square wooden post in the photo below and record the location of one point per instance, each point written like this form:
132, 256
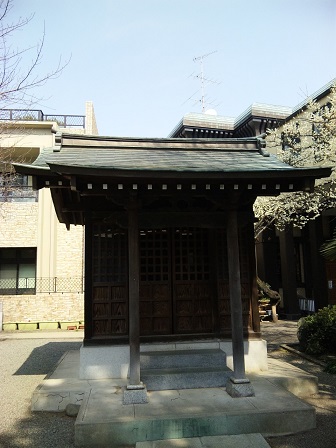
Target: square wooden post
238, 385
135, 391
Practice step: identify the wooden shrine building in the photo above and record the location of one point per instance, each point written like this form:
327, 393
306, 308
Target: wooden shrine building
169, 242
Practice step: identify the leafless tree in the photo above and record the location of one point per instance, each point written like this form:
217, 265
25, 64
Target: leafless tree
20, 78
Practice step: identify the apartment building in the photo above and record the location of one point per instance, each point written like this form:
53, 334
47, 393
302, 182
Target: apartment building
41, 262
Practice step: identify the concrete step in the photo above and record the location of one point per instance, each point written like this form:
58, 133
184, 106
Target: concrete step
103, 420
184, 369
185, 378
234, 441
183, 358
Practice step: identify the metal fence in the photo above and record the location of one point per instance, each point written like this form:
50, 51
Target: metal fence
30, 285
66, 121
21, 115
18, 194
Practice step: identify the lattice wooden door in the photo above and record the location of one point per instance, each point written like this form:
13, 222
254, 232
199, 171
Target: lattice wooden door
193, 295
175, 288
109, 292
175, 293
155, 282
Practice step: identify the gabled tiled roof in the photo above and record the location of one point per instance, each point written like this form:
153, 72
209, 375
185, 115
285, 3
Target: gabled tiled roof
85, 172
219, 157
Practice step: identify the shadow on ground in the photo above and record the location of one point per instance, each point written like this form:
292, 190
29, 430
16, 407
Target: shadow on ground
324, 436
42, 360
41, 430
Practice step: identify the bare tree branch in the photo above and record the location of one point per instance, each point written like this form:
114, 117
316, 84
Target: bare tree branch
20, 75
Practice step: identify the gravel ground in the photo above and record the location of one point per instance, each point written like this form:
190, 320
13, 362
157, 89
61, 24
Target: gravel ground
24, 364
26, 360
324, 436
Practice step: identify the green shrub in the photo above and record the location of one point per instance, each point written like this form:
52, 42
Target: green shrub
331, 367
317, 333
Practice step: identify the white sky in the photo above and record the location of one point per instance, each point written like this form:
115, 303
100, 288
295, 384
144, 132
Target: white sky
134, 58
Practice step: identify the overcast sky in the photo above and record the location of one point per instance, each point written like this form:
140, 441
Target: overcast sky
135, 58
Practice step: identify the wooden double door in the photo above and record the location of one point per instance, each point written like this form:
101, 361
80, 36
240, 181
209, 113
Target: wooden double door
184, 284
176, 282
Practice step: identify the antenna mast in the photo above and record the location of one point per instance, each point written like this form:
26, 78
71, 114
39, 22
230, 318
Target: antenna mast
201, 77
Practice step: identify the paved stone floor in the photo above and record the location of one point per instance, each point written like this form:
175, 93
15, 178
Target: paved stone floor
27, 357
324, 436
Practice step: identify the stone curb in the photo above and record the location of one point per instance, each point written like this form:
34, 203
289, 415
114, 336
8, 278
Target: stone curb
303, 355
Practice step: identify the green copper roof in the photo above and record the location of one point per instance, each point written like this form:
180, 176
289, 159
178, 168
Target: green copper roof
110, 155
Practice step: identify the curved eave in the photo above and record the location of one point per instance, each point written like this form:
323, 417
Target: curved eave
33, 170
178, 173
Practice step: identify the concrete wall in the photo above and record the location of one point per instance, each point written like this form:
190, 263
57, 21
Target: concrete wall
90, 119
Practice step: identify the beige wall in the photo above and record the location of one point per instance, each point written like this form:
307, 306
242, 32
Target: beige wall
70, 251
28, 134
46, 236
90, 124
59, 251
18, 224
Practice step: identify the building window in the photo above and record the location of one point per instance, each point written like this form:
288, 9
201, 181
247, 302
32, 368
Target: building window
18, 270
16, 187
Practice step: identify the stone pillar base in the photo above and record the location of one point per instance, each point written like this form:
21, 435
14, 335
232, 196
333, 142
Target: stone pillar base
135, 394
239, 388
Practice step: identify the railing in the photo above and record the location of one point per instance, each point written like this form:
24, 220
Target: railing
18, 194
66, 121
29, 285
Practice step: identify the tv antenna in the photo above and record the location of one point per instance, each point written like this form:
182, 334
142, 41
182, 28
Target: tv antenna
202, 78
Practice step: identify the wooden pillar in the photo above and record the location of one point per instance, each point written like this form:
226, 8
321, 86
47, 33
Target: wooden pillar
133, 290
318, 264
235, 296
238, 385
267, 258
254, 308
88, 315
135, 392
288, 273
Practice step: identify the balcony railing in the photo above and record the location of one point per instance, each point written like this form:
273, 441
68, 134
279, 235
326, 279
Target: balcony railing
65, 121
18, 194
29, 285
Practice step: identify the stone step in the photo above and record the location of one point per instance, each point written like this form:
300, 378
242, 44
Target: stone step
103, 420
185, 378
183, 358
230, 441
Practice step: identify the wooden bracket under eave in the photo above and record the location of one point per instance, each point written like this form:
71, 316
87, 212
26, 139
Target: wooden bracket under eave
73, 183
